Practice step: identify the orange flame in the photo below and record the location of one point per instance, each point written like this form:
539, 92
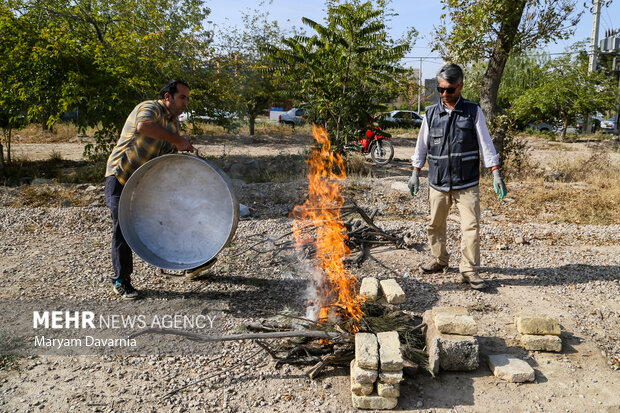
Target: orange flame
322, 210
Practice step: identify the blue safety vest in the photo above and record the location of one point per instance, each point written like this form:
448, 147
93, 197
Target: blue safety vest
453, 150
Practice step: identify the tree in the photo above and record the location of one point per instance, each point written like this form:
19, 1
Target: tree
566, 90
242, 54
100, 57
491, 30
341, 71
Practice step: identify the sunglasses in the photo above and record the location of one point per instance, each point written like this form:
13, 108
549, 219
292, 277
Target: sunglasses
450, 90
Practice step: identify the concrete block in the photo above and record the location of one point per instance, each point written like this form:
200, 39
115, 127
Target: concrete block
364, 376
510, 368
541, 343
390, 356
360, 389
449, 351
367, 351
391, 377
374, 402
392, 291
370, 288
537, 324
388, 390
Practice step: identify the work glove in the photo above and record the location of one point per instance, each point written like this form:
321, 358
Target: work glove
499, 185
414, 182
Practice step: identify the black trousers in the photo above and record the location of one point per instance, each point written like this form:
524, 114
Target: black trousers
122, 256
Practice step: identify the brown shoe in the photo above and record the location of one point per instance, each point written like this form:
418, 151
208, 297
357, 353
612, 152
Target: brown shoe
433, 266
474, 280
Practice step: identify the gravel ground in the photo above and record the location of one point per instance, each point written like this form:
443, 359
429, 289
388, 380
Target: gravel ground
570, 272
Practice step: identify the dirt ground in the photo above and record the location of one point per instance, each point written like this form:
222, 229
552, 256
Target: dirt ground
567, 271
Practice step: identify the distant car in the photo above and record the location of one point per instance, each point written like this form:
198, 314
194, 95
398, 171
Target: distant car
596, 123
539, 125
607, 126
400, 119
293, 117
216, 117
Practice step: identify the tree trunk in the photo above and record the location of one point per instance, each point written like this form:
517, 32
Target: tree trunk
251, 119
2, 161
497, 62
8, 146
564, 128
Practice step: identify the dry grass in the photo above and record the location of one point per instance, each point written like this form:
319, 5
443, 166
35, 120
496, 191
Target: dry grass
61, 132
33, 196
580, 191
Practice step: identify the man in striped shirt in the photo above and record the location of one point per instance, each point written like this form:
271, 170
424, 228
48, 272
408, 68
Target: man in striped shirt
151, 130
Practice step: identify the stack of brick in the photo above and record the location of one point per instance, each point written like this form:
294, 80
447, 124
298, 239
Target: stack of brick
376, 371
539, 332
386, 292
450, 340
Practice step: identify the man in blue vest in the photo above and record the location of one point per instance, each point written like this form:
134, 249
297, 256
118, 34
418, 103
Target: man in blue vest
453, 137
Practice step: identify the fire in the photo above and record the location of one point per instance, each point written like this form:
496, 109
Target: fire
322, 211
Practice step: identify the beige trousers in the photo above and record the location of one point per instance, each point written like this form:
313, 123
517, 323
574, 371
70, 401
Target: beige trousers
468, 204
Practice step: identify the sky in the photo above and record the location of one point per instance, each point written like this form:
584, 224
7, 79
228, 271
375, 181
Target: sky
423, 15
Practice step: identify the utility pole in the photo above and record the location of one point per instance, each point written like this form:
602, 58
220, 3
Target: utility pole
420, 87
593, 51
594, 38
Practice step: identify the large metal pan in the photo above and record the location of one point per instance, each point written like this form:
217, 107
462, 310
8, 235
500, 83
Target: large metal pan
178, 211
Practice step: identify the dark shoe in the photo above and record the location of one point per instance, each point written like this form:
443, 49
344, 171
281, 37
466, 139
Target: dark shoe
474, 280
433, 266
125, 290
194, 272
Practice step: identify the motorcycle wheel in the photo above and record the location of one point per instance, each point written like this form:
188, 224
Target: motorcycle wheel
382, 151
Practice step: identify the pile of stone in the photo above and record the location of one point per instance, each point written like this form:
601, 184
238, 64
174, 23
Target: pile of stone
450, 340
539, 332
376, 371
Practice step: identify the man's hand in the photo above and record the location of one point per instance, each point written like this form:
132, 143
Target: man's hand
414, 182
183, 145
499, 185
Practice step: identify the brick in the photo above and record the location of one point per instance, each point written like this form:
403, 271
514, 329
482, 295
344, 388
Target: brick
392, 291
390, 356
364, 376
391, 377
374, 402
510, 368
388, 390
370, 288
449, 351
360, 389
455, 324
367, 351
537, 324
541, 343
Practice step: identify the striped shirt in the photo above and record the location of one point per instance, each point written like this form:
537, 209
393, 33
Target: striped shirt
133, 148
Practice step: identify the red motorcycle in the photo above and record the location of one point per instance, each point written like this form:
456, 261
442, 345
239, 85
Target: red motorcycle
375, 142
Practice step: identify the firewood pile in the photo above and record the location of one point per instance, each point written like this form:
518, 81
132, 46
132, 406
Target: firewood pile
362, 234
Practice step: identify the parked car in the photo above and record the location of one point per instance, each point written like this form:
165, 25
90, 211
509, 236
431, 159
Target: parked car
399, 119
216, 117
607, 126
539, 125
293, 117
596, 124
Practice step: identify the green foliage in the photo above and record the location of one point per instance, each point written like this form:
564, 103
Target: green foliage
242, 56
521, 72
565, 90
101, 57
473, 30
345, 68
